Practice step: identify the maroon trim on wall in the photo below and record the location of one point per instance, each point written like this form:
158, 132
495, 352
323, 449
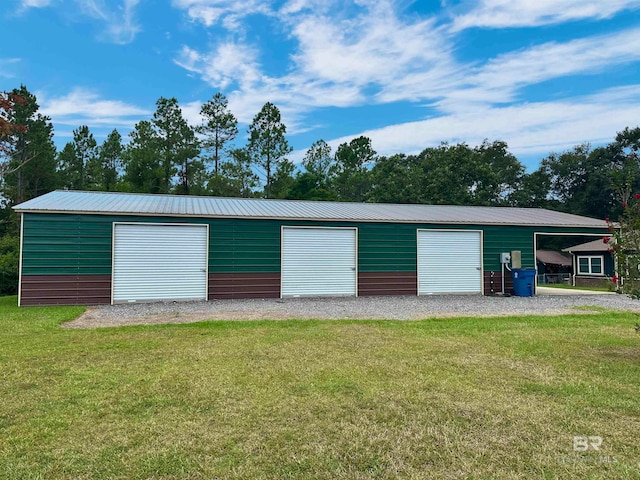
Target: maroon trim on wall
387, 283
497, 282
244, 285
65, 290
96, 289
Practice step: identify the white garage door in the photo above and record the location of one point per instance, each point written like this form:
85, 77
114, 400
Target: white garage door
449, 262
159, 262
318, 261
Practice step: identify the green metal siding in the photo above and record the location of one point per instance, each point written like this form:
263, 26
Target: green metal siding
244, 246
506, 239
65, 244
386, 247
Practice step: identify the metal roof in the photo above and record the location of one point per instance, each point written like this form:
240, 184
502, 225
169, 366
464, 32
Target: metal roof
592, 246
553, 257
108, 203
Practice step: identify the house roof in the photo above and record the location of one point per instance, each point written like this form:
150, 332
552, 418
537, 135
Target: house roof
553, 257
106, 203
592, 246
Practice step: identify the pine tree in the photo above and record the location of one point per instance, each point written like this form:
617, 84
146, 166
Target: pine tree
219, 128
79, 170
31, 167
352, 177
268, 146
109, 162
236, 178
141, 159
177, 144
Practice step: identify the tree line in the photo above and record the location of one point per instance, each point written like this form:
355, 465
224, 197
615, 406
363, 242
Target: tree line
165, 154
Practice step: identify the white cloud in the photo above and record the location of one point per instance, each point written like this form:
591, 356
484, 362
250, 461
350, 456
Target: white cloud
337, 60
380, 56
81, 106
120, 24
317, 7
294, 98
24, 4
553, 60
528, 128
234, 67
7, 67
123, 28
189, 59
230, 63
191, 112
499, 80
529, 13
230, 14
294, 6
370, 52
374, 47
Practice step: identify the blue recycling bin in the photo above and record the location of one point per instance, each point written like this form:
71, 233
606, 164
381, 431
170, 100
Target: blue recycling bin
524, 281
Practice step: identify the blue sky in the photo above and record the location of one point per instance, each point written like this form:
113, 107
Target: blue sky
542, 75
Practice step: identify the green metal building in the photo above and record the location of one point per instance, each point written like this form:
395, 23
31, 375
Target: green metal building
101, 248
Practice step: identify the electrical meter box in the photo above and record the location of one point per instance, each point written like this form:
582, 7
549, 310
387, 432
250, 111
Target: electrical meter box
516, 259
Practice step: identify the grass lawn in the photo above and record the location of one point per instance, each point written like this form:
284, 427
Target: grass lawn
564, 285
448, 398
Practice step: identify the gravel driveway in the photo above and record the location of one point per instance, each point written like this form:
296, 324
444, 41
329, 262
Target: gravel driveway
394, 308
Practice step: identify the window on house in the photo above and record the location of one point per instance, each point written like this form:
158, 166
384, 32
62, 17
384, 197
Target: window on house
591, 265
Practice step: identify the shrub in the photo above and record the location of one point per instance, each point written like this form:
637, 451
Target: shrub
9, 257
